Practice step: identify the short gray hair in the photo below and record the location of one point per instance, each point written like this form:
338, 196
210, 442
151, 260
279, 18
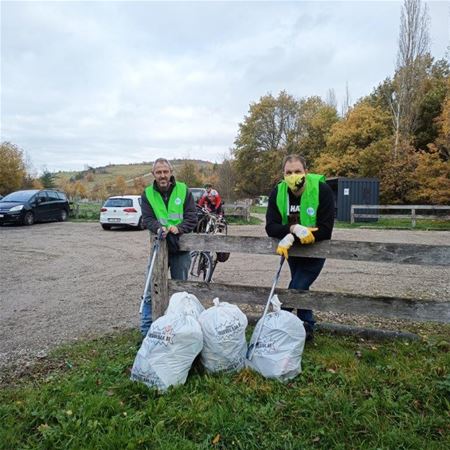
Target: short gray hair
293, 157
162, 161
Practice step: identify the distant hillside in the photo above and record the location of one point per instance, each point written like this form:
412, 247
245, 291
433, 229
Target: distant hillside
106, 175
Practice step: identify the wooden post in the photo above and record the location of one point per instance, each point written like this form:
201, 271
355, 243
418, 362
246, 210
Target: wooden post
413, 217
352, 220
160, 282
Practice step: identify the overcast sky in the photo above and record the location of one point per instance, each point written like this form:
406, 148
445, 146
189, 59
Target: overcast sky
120, 81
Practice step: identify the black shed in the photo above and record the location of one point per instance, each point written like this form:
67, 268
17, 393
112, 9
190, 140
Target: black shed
353, 191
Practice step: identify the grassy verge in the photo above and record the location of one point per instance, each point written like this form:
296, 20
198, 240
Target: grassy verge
351, 394
403, 224
258, 209
83, 212
234, 220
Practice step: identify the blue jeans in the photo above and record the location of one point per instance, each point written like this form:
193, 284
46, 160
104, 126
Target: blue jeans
179, 264
304, 272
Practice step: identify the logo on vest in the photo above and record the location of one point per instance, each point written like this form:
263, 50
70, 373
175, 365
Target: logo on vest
310, 211
178, 201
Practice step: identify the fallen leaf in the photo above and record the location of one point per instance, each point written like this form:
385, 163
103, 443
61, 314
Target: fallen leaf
69, 412
331, 370
216, 439
316, 439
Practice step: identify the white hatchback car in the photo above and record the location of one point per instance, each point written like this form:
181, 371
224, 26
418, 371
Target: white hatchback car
122, 210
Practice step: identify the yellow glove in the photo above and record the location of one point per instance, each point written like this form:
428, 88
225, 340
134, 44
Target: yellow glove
304, 234
285, 244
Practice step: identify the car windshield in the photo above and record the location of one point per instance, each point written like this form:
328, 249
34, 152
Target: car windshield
119, 202
196, 193
19, 196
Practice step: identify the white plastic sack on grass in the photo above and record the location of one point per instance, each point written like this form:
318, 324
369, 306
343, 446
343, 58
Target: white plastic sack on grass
278, 353
224, 344
184, 303
168, 350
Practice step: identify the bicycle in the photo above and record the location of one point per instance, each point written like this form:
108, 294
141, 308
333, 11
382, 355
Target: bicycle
203, 263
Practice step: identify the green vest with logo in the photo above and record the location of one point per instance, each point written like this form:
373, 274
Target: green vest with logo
309, 200
172, 214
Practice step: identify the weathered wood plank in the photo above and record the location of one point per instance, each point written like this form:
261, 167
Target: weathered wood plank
160, 287
402, 308
347, 250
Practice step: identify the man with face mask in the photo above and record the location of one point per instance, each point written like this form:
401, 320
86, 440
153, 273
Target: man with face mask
300, 207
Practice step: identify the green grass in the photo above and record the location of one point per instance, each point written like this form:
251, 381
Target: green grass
421, 224
86, 212
258, 209
351, 394
235, 220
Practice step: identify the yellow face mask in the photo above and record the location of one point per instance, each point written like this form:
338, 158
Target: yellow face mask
295, 181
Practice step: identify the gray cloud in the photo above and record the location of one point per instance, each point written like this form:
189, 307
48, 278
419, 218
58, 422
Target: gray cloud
99, 82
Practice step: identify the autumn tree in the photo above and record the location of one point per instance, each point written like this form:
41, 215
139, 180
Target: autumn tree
227, 177
119, 187
315, 119
189, 174
434, 92
267, 134
139, 185
432, 176
410, 70
358, 145
12, 168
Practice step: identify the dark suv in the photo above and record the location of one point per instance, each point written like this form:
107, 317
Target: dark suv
34, 205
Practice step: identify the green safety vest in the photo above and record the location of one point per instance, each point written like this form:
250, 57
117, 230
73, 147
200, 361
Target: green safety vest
172, 214
309, 200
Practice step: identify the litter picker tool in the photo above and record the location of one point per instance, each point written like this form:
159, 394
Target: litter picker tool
156, 246
275, 282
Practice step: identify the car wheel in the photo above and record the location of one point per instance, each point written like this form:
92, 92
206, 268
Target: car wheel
106, 227
141, 224
63, 215
28, 218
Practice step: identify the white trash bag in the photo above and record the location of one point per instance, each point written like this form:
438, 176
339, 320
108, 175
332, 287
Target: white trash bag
278, 353
168, 351
184, 303
224, 344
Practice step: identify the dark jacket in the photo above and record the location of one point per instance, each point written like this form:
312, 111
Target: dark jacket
189, 211
325, 214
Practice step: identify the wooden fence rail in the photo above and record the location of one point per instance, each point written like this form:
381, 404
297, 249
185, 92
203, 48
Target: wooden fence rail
237, 209
412, 208
392, 307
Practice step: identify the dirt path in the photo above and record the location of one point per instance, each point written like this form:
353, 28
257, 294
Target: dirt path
61, 282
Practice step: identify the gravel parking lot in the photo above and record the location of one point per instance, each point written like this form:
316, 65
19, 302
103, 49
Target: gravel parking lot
61, 282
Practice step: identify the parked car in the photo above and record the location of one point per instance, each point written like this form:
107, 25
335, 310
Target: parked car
34, 205
122, 210
197, 193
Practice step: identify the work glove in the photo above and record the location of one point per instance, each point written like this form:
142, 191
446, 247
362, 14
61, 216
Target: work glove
304, 234
285, 244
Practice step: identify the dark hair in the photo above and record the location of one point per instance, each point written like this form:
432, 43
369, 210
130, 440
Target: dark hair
293, 157
207, 185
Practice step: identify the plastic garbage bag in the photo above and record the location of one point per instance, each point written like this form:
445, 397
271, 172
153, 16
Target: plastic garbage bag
278, 352
224, 344
184, 303
168, 351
